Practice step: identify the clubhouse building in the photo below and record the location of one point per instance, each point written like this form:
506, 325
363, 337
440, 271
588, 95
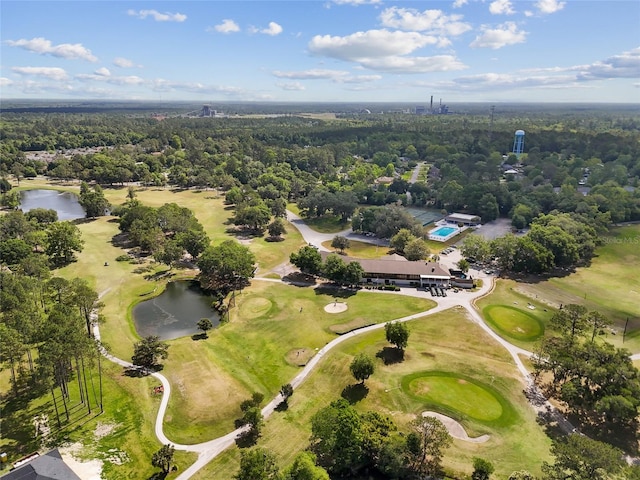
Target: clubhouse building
400, 272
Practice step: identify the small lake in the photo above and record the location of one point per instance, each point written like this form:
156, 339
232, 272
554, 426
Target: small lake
175, 312
65, 203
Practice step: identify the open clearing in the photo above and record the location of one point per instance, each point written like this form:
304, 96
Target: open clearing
434, 346
516, 317
610, 285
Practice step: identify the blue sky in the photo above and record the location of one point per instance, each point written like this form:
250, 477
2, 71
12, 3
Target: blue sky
322, 51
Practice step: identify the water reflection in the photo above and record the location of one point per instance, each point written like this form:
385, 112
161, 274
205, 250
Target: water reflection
65, 203
175, 312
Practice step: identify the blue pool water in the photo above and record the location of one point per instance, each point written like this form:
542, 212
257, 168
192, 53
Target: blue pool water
444, 231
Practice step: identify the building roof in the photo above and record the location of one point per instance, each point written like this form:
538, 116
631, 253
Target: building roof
464, 217
403, 267
49, 466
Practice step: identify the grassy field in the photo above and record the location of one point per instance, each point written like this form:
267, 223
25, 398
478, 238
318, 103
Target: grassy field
122, 437
506, 310
362, 250
434, 346
610, 285
250, 352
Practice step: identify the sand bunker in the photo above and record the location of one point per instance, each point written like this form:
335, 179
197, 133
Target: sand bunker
335, 307
455, 429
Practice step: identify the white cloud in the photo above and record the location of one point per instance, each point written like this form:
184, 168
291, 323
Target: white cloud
100, 76
227, 26
71, 51
549, 6
503, 35
338, 76
384, 50
459, 3
434, 21
625, 65
292, 86
501, 7
103, 72
124, 63
52, 73
5, 82
158, 16
360, 79
396, 64
273, 29
369, 44
313, 74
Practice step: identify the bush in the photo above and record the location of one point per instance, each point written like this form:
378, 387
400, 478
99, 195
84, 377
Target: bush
123, 258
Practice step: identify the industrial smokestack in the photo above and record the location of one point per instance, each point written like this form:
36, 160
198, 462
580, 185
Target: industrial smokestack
431, 107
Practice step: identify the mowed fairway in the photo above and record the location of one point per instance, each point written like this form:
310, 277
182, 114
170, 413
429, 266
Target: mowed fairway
445, 342
250, 352
611, 285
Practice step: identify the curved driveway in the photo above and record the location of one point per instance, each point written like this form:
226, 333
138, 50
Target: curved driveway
207, 451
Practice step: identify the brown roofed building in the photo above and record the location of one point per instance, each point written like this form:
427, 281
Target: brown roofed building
400, 272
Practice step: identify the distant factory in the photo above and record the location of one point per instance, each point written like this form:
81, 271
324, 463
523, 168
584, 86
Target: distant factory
440, 109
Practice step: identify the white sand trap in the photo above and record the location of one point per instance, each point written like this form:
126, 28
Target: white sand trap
335, 307
455, 429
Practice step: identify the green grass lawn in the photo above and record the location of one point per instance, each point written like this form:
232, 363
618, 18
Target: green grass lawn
459, 396
445, 342
506, 311
362, 250
610, 285
122, 437
514, 322
250, 352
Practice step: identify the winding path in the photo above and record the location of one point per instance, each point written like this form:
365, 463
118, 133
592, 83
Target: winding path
207, 451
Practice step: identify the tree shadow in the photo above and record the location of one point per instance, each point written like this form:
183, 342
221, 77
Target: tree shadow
122, 240
274, 239
199, 336
391, 355
247, 439
354, 393
136, 372
283, 406
335, 291
299, 279
158, 476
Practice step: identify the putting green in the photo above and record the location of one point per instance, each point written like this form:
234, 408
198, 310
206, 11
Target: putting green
514, 322
459, 396
255, 307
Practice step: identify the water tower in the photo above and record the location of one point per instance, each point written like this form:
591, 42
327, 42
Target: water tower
518, 142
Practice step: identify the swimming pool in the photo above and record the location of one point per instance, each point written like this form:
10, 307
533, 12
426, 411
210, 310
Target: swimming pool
443, 233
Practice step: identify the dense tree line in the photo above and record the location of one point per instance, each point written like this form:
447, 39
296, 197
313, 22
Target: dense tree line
555, 241
46, 338
32, 243
166, 232
594, 380
326, 165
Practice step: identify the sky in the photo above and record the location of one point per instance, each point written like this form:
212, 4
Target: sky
322, 51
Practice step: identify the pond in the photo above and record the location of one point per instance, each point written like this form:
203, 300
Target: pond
175, 312
65, 203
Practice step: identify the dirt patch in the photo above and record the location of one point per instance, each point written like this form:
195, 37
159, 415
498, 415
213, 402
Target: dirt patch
299, 357
336, 307
462, 381
89, 470
103, 429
